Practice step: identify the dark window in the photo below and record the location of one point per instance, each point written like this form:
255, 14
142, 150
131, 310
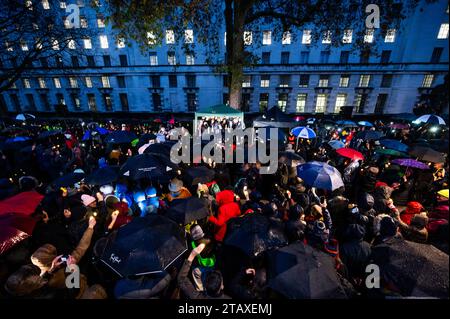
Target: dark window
324, 56
60, 99
284, 57
245, 102
436, 56
381, 103
124, 101
123, 60
59, 61
15, 102
121, 82
344, 57
108, 102
90, 61
225, 81
192, 102
304, 80
43, 62
364, 56
13, 61
156, 81
386, 82
190, 81
44, 101
3, 107
30, 100
75, 62
225, 98
106, 60
285, 80
156, 100
263, 102
385, 56
361, 101
265, 58
173, 81
304, 57
1, 63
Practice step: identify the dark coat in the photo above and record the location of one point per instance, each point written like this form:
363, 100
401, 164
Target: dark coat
354, 251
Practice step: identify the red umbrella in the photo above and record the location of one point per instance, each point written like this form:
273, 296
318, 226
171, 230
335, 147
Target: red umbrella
350, 153
24, 203
19, 221
157, 121
9, 237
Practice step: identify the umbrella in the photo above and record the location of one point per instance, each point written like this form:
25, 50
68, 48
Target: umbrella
160, 148
399, 126
187, 210
145, 139
9, 237
387, 151
290, 158
145, 165
369, 135
25, 116
299, 271
320, 175
254, 233
120, 137
280, 134
444, 193
17, 139
346, 123
394, 145
23, 203
96, 130
50, 133
102, 176
146, 245
408, 162
336, 144
413, 269
365, 123
199, 174
430, 119
424, 153
19, 221
303, 132
350, 153
68, 179
311, 120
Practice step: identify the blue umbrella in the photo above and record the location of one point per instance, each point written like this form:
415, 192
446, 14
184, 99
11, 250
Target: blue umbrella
303, 132
120, 137
17, 139
365, 123
336, 144
430, 119
320, 175
346, 123
394, 145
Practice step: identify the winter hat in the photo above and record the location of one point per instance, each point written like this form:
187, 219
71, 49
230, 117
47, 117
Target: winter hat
43, 257
150, 192
197, 232
87, 199
107, 189
388, 227
413, 208
379, 184
78, 171
320, 230
366, 202
139, 196
24, 281
28, 182
419, 220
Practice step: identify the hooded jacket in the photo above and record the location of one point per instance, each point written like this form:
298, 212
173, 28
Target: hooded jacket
228, 209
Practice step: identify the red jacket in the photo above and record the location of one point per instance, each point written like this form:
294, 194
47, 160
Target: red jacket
228, 209
438, 217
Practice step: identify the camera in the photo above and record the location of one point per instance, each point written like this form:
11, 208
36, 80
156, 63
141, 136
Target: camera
64, 258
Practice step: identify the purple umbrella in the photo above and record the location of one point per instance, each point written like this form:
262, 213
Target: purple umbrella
410, 163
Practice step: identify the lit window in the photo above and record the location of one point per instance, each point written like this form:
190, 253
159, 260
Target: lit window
151, 38
265, 81
364, 80
55, 44
104, 42
246, 81
301, 102
87, 43
326, 38
26, 83
83, 22
321, 103
100, 22
153, 58
67, 24
9, 47
341, 100
170, 37
88, 81
121, 43
286, 39
188, 36
348, 36
45, 4
344, 81
267, 37
190, 59
171, 59
427, 80
73, 82
62, 5
23, 45
42, 83
390, 36
248, 37
368, 37
306, 37
57, 83
105, 81
282, 101
71, 44
323, 81
443, 31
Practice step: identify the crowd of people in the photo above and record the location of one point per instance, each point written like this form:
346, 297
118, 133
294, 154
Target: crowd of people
380, 203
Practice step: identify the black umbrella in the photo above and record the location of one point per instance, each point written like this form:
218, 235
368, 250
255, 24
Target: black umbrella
413, 269
187, 210
254, 233
152, 166
289, 157
428, 154
144, 139
299, 271
146, 245
68, 179
48, 134
199, 174
103, 176
369, 135
160, 148
120, 137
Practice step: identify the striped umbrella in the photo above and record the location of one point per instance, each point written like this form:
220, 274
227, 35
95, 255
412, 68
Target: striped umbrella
303, 132
336, 144
430, 119
320, 175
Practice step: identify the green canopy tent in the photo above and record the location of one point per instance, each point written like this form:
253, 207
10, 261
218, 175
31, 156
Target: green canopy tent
219, 110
